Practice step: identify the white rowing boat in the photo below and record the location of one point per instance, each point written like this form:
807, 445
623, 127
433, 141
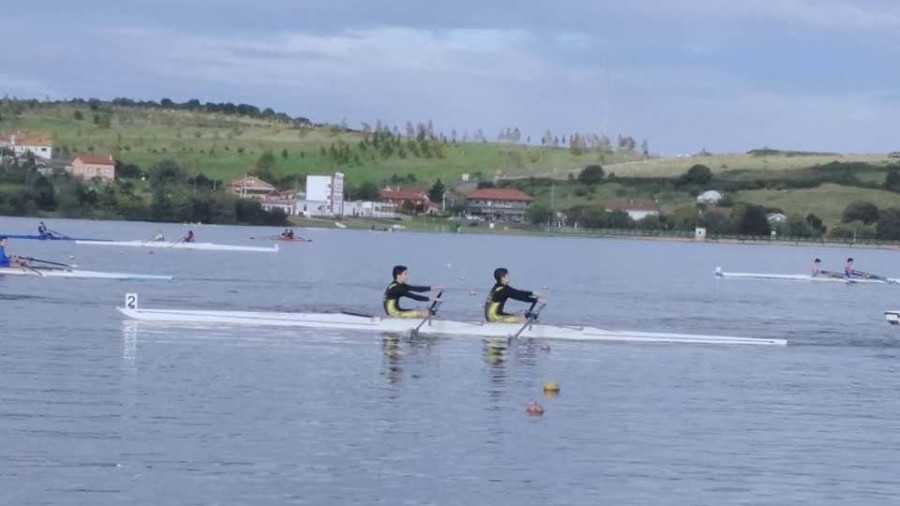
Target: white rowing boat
376, 324
803, 277
892, 317
45, 272
204, 246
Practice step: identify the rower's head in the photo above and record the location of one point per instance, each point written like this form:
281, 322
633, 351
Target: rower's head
817, 261
401, 273
501, 275
849, 260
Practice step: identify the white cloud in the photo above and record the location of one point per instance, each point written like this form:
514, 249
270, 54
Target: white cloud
830, 14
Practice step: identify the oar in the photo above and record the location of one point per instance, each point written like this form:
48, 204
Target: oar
48, 262
431, 312
57, 234
531, 318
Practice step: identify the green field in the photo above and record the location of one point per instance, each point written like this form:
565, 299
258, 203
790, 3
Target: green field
826, 201
223, 147
672, 167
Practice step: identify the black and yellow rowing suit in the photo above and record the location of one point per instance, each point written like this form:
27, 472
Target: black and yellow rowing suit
493, 306
392, 296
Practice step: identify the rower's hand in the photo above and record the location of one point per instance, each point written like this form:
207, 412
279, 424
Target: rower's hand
437, 299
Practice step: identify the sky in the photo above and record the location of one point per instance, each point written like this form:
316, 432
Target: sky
686, 75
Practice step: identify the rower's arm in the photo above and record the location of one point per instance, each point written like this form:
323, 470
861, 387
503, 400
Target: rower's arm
407, 291
520, 295
414, 288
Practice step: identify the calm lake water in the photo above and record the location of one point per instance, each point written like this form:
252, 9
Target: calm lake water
95, 410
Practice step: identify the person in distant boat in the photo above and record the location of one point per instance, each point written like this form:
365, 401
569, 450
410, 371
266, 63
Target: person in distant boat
816, 268
849, 272
44, 232
9, 261
399, 288
500, 293
290, 234
159, 237
189, 237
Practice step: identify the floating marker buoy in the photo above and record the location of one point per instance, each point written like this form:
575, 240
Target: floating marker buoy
551, 387
534, 409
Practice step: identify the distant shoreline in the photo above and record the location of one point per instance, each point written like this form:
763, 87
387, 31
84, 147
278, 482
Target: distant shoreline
446, 227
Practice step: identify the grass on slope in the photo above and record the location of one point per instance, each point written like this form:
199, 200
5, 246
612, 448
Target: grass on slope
671, 167
826, 201
223, 147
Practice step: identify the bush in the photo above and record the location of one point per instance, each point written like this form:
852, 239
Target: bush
865, 212
697, 175
590, 175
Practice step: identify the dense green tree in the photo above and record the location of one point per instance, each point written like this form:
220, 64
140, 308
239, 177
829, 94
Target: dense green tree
753, 221
436, 193
865, 212
592, 174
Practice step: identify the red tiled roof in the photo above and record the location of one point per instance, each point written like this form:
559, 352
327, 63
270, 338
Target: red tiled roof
508, 194
31, 140
92, 159
631, 205
250, 181
410, 194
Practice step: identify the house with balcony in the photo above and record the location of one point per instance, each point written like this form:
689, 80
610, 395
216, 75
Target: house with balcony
499, 204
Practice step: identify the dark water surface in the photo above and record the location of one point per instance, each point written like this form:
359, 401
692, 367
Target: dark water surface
94, 410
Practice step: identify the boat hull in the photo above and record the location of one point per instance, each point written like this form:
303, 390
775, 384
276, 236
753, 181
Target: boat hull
72, 273
342, 321
34, 237
892, 317
805, 277
197, 246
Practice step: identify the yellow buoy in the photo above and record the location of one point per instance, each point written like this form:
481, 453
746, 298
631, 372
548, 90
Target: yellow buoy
551, 387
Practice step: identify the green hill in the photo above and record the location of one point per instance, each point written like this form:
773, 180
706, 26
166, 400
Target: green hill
223, 146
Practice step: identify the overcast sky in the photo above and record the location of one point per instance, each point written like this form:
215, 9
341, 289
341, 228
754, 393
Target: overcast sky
723, 75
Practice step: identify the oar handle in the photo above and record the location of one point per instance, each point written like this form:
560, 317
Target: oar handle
435, 303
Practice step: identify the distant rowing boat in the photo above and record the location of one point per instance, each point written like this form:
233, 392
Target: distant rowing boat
804, 277
36, 237
289, 239
47, 272
376, 324
202, 246
892, 317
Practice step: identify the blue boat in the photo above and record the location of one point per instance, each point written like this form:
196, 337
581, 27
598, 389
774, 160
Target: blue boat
47, 237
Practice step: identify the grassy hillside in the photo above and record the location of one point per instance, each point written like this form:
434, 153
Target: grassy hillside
827, 201
672, 167
222, 147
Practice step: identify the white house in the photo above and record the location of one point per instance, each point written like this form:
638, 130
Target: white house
776, 219
637, 209
39, 145
324, 196
367, 209
709, 197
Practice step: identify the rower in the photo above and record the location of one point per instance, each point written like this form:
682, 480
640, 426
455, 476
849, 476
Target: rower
189, 237
848, 269
290, 234
398, 288
816, 267
9, 261
44, 232
496, 300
